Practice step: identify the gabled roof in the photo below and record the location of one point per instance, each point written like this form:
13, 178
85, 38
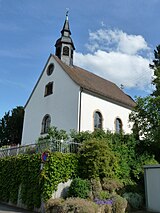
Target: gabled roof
97, 85
93, 84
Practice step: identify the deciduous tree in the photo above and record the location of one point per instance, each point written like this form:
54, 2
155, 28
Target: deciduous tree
156, 67
11, 127
146, 114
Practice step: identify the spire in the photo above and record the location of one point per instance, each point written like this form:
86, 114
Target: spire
66, 25
64, 45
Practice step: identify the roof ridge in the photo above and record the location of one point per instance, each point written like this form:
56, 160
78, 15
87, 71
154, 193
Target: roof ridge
96, 84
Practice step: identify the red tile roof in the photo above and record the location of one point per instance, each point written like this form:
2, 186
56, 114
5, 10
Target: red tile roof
97, 85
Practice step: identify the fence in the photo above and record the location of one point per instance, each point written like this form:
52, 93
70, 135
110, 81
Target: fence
51, 145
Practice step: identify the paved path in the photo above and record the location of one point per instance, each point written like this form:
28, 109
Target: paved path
8, 209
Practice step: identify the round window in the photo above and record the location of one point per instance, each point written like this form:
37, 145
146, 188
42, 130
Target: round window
50, 69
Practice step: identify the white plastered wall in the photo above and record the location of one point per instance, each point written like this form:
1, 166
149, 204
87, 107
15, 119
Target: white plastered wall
62, 105
109, 111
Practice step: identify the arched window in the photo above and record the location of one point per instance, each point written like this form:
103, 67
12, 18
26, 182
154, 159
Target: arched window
97, 120
118, 125
66, 50
46, 122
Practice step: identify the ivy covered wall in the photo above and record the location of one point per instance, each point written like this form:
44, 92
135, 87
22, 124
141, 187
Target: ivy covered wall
23, 172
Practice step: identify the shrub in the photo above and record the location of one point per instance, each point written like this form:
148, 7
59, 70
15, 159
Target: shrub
72, 205
111, 185
105, 209
105, 206
96, 187
119, 204
97, 159
79, 188
54, 134
21, 172
103, 195
134, 199
54, 205
80, 205
59, 168
79, 137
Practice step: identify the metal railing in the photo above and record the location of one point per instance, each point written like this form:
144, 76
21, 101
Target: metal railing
40, 147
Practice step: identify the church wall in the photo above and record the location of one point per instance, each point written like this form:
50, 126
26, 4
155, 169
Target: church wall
109, 111
62, 105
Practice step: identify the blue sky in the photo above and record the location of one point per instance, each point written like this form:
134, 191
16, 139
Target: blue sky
114, 39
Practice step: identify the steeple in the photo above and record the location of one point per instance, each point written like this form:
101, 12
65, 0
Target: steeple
66, 26
64, 45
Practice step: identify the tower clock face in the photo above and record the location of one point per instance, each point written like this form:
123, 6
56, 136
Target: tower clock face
50, 69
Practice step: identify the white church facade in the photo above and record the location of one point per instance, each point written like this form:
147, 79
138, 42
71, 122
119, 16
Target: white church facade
69, 97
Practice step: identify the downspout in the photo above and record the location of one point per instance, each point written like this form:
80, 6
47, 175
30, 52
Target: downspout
80, 106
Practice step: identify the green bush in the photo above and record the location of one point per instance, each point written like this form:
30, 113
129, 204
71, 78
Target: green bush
119, 204
79, 137
134, 199
59, 168
111, 185
72, 205
97, 159
54, 205
105, 208
126, 150
23, 172
80, 205
79, 188
103, 195
96, 187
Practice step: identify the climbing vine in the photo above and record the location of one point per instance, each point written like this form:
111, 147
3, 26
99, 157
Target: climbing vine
21, 177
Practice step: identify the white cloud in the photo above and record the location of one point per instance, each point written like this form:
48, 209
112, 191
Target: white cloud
116, 40
118, 57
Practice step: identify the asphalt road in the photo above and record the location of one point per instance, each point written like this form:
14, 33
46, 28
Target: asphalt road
8, 209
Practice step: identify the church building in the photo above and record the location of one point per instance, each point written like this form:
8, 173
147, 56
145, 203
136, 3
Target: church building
69, 97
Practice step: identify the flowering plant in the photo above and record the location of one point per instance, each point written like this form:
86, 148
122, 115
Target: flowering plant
103, 202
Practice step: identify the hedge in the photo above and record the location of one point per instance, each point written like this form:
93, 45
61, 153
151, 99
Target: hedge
22, 173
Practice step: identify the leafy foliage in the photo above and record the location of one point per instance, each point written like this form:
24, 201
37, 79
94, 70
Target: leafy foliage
71, 205
20, 172
79, 137
96, 187
55, 133
59, 168
79, 188
146, 118
111, 185
106, 155
134, 199
119, 204
97, 159
23, 172
11, 127
146, 115
156, 67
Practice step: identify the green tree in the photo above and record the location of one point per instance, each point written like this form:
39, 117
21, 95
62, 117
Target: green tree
146, 114
146, 118
11, 126
156, 67
97, 159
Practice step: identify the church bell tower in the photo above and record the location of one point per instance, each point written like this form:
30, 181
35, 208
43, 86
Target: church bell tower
64, 45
